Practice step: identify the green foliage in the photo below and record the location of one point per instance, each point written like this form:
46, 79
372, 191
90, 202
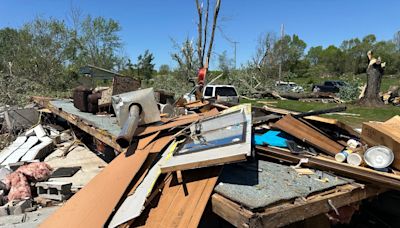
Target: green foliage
164, 69
351, 91
43, 56
225, 64
145, 66
171, 82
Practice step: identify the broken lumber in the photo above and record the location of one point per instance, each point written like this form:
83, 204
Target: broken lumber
93, 204
307, 134
359, 173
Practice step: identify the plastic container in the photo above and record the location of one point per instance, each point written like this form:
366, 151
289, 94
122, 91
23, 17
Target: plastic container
379, 157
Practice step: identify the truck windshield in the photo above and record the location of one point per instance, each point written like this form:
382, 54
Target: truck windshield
225, 91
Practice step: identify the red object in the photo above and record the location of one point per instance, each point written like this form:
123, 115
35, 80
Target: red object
201, 75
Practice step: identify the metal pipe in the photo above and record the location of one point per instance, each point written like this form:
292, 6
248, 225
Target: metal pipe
128, 129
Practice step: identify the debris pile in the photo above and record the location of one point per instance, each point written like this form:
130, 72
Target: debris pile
133, 161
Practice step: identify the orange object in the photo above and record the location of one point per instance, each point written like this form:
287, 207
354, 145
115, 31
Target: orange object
201, 76
181, 204
93, 205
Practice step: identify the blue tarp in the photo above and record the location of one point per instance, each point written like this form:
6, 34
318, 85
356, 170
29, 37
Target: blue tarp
272, 138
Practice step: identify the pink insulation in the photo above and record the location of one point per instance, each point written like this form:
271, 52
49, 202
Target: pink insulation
18, 182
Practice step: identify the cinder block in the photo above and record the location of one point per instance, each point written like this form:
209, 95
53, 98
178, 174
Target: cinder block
15, 207
4, 211
54, 190
20, 207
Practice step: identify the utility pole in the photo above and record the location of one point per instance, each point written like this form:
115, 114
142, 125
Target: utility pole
281, 54
235, 43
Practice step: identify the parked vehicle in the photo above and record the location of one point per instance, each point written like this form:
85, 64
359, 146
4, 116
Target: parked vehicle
224, 93
329, 86
288, 87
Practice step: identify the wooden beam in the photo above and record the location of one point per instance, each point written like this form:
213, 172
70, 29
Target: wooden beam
388, 180
315, 118
290, 212
308, 134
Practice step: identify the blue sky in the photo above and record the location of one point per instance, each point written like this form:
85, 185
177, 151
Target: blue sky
151, 24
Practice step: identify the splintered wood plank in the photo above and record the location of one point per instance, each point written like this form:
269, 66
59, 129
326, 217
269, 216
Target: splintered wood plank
320, 119
230, 211
181, 205
180, 121
133, 205
92, 205
307, 134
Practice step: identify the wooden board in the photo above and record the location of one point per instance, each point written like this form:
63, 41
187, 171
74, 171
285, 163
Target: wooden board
133, 205
368, 175
307, 134
289, 212
93, 205
181, 205
180, 121
385, 134
316, 118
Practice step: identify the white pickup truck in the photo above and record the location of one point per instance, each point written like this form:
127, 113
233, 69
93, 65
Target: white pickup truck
223, 93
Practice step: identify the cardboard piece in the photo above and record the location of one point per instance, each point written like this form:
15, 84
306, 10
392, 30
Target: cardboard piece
385, 134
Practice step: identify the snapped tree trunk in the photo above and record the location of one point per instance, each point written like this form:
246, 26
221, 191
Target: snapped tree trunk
374, 78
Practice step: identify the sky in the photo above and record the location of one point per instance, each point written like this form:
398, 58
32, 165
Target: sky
152, 24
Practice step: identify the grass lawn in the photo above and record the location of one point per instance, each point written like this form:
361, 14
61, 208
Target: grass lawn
363, 114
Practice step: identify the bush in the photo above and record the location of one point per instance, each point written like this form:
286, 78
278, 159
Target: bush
351, 91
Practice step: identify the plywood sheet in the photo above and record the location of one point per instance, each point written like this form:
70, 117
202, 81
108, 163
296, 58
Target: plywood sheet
92, 205
181, 205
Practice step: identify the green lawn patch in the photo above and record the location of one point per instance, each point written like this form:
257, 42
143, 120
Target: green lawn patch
363, 114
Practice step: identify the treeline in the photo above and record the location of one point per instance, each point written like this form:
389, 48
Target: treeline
350, 57
45, 56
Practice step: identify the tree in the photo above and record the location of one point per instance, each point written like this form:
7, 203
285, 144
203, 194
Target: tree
202, 31
374, 79
96, 42
164, 69
185, 56
225, 64
145, 66
128, 69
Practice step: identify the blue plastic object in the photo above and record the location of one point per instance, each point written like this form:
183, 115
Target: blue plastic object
272, 138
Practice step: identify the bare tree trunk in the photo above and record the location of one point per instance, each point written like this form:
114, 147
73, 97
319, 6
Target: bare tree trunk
216, 11
200, 32
205, 31
374, 77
